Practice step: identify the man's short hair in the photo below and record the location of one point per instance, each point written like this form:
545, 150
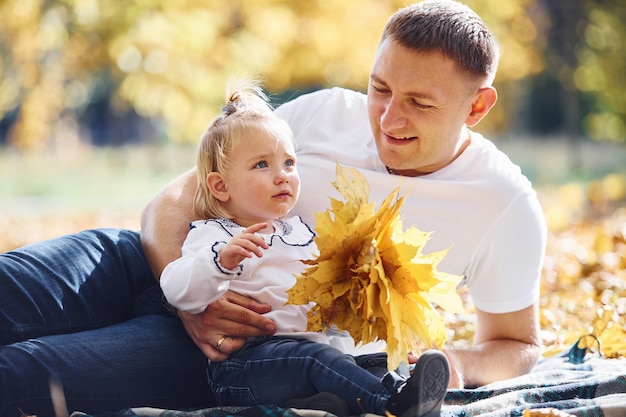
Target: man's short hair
450, 27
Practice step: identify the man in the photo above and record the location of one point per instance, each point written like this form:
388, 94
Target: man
430, 83
83, 314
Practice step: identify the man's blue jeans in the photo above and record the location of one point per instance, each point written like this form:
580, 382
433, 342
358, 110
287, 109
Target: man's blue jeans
86, 311
271, 370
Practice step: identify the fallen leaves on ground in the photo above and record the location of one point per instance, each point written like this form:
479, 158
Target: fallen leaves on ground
546, 412
584, 275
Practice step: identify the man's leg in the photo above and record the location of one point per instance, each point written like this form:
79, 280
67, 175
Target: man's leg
76, 282
85, 310
145, 361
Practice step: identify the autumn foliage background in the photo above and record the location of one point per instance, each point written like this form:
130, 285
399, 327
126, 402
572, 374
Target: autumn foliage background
101, 104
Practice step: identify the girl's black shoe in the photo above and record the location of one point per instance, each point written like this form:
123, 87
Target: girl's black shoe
422, 394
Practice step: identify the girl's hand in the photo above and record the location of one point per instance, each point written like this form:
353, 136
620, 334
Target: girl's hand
243, 246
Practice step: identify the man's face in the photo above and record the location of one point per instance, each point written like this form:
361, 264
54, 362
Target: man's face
418, 104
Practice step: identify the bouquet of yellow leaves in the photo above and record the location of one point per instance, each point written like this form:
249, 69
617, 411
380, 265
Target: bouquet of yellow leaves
371, 277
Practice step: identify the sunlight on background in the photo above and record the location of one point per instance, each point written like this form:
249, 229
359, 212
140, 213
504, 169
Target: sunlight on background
167, 62
69, 64
88, 72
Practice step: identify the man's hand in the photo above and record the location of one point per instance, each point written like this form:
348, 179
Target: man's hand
456, 379
234, 317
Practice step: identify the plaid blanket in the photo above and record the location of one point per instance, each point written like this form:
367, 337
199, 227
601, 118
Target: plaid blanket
595, 387
574, 383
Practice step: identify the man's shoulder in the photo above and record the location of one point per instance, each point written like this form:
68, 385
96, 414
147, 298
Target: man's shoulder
485, 174
333, 93
495, 164
329, 99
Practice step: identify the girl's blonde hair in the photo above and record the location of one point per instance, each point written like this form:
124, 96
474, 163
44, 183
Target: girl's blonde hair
246, 113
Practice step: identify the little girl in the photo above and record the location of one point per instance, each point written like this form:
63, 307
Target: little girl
247, 184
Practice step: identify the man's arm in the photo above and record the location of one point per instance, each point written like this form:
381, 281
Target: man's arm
505, 346
164, 227
165, 222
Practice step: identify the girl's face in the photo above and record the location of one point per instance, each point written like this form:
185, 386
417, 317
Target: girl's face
262, 181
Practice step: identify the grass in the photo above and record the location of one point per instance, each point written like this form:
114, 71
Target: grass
47, 193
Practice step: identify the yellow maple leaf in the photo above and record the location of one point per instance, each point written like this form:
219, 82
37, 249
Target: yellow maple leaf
371, 278
607, 333
545, 412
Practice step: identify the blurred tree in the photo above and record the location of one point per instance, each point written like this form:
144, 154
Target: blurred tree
601, 69
66, 61
585, 70
561, 63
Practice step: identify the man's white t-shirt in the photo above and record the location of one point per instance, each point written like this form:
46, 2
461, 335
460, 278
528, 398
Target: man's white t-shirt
480, 207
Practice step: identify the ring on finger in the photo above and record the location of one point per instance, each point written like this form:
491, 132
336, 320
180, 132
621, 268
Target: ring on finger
218, 345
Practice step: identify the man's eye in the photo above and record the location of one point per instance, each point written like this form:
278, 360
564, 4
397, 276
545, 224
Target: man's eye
419, 105
378, 90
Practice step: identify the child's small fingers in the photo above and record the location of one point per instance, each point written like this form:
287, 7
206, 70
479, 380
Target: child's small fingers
255, 228
252, 244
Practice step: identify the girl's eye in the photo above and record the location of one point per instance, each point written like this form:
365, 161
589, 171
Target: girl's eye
290, 162
262, 164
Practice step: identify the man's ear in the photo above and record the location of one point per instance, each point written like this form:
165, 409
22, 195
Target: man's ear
217, 186
483, 102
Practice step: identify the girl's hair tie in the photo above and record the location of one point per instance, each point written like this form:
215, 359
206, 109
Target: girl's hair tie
229, 108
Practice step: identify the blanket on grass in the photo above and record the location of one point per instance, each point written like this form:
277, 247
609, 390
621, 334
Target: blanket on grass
574, 383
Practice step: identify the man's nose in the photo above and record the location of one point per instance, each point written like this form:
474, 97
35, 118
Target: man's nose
393, 116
